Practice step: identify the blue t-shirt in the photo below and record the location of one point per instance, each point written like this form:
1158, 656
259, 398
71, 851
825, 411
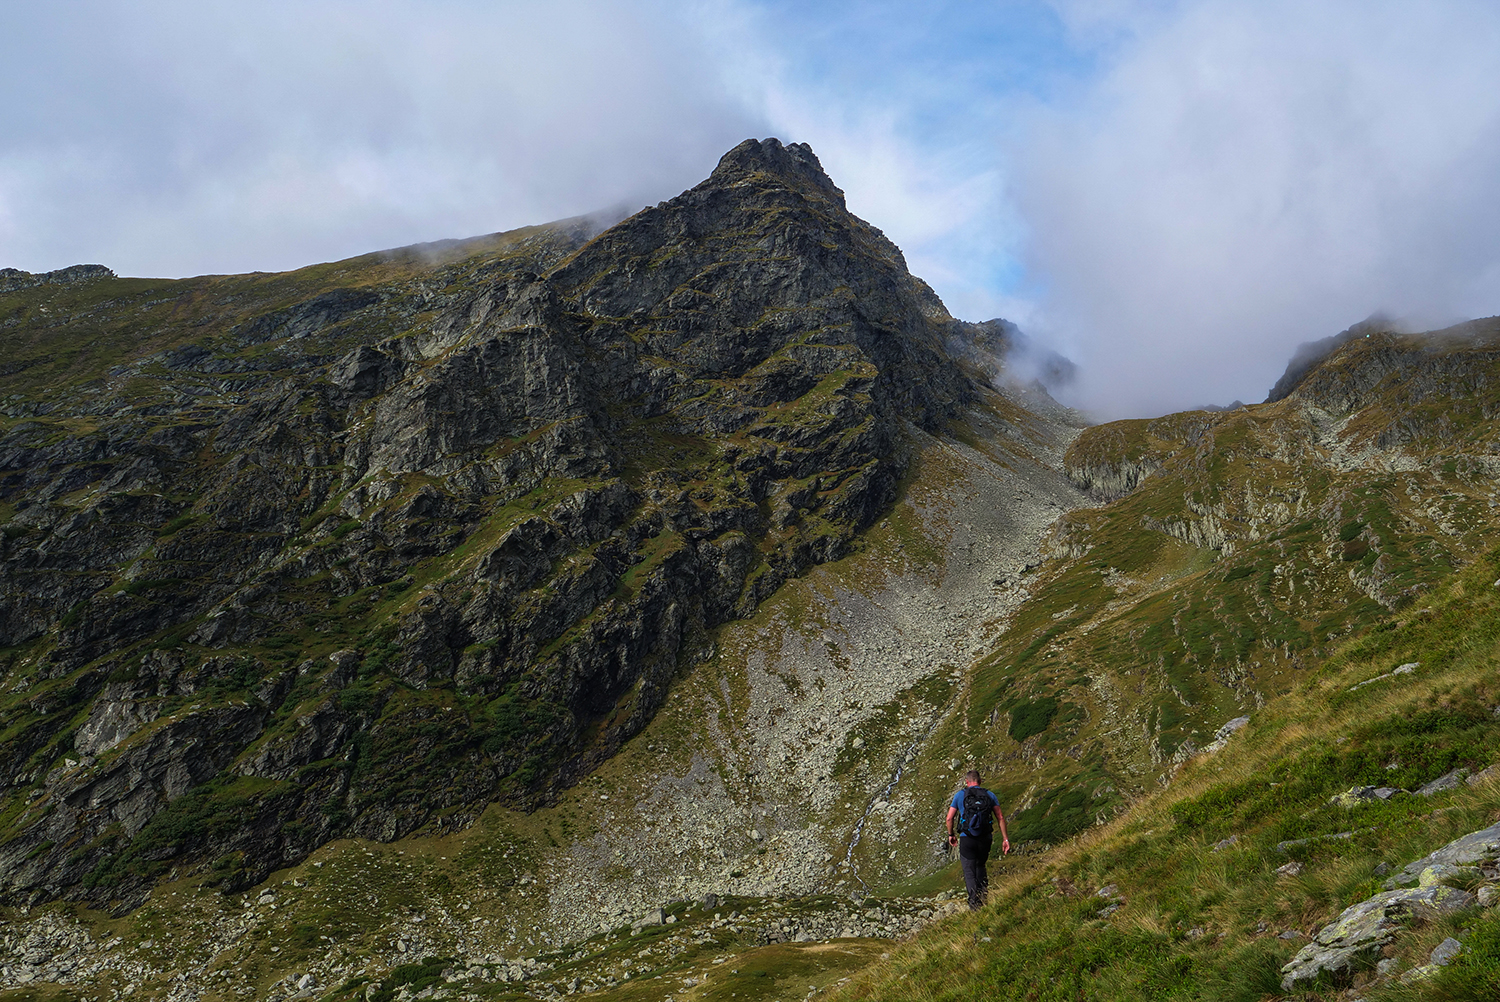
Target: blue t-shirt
958, 805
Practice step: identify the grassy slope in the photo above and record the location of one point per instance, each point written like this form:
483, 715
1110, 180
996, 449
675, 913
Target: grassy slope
1201, 922
1206, 591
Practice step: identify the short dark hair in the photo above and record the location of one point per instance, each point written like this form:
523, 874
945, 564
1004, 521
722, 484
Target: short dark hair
972, 777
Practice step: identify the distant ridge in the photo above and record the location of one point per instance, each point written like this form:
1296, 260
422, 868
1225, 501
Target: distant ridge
1310, 353
12, 279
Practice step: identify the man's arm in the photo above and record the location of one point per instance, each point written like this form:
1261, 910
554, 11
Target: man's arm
948, 822
1004, 835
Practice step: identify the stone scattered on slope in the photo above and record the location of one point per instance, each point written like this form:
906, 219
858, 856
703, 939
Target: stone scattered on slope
1406, 669
1336, 837
1444, 952
1223, 734
1442, 956
652, 918
1484, 775
1357, 796
55, 948
1360, 795
1445, 782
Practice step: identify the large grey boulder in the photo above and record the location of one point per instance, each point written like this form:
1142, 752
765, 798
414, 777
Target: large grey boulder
1476, 847
1357, 935
1447, 781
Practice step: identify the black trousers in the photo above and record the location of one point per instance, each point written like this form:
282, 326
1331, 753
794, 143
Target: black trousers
973, 854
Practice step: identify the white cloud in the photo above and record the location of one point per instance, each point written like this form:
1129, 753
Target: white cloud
1174, 193
1248, 176
170, 137
845, 80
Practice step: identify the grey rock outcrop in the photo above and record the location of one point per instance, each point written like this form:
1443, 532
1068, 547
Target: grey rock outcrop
13, 280
1478, 847
1359, 932
1357, 935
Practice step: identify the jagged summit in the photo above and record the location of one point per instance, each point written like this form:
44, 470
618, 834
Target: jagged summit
1395, 378
1355, 360
792, 161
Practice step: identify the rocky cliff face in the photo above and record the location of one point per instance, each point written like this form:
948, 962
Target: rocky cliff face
351, 549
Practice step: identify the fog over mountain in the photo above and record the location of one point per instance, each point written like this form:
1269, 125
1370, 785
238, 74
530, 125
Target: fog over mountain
1246, 177
1175, 195
167, 138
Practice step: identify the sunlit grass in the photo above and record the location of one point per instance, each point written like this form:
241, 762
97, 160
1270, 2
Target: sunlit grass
1204, 920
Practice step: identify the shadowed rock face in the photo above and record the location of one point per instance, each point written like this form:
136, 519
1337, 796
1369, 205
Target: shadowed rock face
340, 551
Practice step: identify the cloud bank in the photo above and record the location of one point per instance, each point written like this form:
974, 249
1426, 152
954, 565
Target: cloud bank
1244, 177
171, 138
1175, 194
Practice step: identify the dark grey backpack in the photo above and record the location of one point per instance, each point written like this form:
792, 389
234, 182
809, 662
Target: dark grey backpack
978, 814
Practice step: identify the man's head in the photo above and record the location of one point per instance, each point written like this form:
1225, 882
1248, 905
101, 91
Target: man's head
972, 778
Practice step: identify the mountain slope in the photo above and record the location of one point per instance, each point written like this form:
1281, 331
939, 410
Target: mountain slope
1207, 890
1235, 550
343, 550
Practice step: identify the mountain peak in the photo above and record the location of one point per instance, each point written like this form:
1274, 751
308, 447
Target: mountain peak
1311, 354
791, 161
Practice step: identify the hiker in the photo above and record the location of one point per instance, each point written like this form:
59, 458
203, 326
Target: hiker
976, 809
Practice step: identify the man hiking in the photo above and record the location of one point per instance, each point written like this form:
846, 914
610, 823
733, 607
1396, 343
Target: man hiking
976, 809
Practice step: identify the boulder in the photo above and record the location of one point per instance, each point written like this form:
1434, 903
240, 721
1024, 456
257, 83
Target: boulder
1444, 952
1476, 847
1445, 782
1358, 796
1358, 934
653, 917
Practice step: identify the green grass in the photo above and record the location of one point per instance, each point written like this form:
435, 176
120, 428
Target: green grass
1032, 717
1201, 922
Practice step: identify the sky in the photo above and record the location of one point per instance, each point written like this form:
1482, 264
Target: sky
1173, 193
